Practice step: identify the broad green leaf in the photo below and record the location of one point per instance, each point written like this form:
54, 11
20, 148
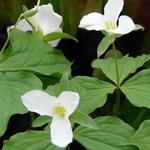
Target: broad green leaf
126, 66
83, 119
112, 134
31, 140
104, 44
58, 35
93, 92
32, 54
12, 86
40, 121
142, 136
137, 89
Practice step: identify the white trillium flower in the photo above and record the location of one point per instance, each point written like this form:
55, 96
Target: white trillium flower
45, 21
109, 22
59, 108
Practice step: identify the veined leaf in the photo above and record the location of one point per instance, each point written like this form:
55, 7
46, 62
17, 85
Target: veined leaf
31, 140
111, 134
137, 89
32, 54
12, 86
142, 136
84, 120
126, 66
93, 92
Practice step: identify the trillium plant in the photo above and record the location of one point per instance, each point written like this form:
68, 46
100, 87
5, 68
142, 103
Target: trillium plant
64, 92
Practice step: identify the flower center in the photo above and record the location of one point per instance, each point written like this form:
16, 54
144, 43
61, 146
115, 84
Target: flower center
59, 110
110, 25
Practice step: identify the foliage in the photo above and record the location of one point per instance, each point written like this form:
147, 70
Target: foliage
29, 62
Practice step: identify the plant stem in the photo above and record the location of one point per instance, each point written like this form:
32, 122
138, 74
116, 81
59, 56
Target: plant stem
11, 32
138, 119
116, 107
116, 66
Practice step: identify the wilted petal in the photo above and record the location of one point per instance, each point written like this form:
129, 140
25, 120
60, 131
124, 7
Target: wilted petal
113, 9
125, 26
61, 132
47, 20
69, 100
92, 21
39, 102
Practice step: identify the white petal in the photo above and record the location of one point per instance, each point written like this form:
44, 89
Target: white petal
69, 100
95, 27
61, 132
113, 9
22, 25
47, 20
125, 26
92, 21
55, 43
39, 102
138, 27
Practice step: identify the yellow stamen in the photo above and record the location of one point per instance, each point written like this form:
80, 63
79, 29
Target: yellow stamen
110, 25
59, 110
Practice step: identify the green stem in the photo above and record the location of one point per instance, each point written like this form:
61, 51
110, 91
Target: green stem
11, 32
116, 66
116, 107
138, 119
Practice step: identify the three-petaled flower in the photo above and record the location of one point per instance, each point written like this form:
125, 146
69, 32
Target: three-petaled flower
45, 21
107, 23
59, 108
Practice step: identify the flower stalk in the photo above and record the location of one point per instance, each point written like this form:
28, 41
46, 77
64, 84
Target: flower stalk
117, 100
116, 65
10, 34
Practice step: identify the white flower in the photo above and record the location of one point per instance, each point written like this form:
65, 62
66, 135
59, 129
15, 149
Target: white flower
108, 22
45, 21
59, 108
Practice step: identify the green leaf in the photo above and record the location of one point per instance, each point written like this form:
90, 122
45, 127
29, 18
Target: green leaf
12, 86
32, 54
29, 13
112, 134
104, 44
31, 140
93, 92
24, 8
40, 121
58, 35
126, 66
84, 120
137, 89
142, 136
